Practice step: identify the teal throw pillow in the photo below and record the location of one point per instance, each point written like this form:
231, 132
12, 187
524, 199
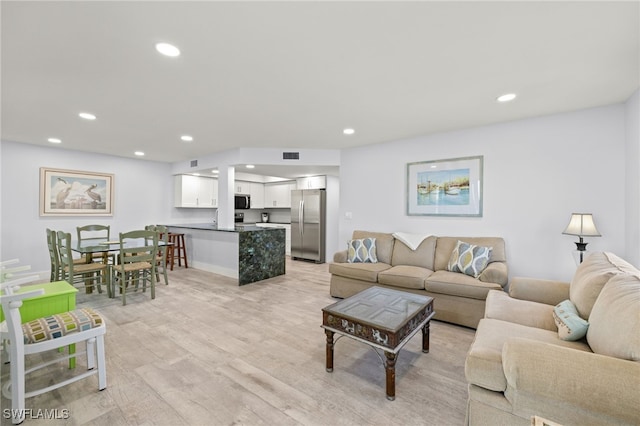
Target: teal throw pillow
570, 325
469, 259
362, 250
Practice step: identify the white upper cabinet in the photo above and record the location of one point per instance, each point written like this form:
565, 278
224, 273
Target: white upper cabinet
254, 189
242, 187
257, 195
278, 195
195, 191
312, 182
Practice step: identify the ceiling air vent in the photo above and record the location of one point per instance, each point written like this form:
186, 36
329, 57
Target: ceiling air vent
194, 163
290, 155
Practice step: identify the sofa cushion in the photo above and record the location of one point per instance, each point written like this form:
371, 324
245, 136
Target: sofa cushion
483, 366
445, 246
591, 276
615, 319
362, 250
404, 276
457, 284
469, 259
421, 256
359, 271
570, 325
384, 244
524, 312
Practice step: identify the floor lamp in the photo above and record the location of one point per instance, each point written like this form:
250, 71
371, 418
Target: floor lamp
581, 225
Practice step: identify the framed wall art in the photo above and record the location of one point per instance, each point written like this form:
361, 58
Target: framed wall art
451, 187
75, 193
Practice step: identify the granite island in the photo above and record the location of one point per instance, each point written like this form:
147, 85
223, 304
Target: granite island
246, 252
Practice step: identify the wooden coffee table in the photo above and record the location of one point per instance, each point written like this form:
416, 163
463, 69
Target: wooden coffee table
382, 318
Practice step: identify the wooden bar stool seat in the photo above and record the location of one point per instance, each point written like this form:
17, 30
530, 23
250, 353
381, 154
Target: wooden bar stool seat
178, 251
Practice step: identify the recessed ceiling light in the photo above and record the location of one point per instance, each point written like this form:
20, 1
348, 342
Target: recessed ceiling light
506, 97
54, 140
348, 131
215, 171
186, 138
250, 166
139, 153
196, 174
168, 49
87, 116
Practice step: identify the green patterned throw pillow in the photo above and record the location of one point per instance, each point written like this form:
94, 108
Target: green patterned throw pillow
570, 325
362, 251
469, 259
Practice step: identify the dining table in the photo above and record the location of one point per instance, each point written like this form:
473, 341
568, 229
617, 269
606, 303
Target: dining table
104, 245
88, 247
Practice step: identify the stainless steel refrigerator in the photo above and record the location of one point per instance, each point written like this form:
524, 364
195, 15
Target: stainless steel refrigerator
308, 224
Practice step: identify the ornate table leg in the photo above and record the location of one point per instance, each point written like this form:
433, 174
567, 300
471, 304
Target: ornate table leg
425, 338
329, 350
390, 367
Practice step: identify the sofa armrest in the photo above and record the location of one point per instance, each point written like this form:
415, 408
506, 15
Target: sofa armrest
495, 272
549, 292
340, 256
554, 381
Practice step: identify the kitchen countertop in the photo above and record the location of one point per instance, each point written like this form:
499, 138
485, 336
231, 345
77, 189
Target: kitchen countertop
214, 227
266, 223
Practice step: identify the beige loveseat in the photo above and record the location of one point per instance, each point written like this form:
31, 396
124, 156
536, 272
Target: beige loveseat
518, 367
458, 298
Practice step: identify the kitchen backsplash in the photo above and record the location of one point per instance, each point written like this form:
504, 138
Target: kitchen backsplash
275, 215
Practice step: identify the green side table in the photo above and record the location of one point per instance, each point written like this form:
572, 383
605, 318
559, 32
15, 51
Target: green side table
58, 297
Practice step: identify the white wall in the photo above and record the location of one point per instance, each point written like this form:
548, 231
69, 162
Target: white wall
143, 195
536, 173
632, 196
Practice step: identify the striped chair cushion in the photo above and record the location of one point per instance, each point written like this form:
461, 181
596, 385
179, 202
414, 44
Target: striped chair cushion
55, 326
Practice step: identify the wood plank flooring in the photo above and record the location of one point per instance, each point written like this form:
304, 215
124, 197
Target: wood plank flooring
208, 352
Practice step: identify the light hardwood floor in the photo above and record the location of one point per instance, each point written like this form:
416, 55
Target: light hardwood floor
208, 352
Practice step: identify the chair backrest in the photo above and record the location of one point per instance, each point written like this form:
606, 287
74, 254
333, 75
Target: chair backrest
9, 273
90, 232
10, 281
11, 303
163, 232
54, 257
138, 246
65, 255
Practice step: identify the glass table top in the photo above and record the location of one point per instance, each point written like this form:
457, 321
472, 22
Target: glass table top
382, 307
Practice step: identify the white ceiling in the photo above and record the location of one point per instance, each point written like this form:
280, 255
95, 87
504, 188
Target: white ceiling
294, 74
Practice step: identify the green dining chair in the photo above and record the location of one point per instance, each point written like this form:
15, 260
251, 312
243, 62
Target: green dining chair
161, 255
89, 274
54, 256
136, 264
99, 233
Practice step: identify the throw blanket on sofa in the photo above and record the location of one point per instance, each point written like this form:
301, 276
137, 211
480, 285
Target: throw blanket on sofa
412, 241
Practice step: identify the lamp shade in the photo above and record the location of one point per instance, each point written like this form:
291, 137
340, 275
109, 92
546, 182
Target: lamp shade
581, 224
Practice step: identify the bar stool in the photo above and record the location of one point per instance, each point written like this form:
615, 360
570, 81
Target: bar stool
179, 250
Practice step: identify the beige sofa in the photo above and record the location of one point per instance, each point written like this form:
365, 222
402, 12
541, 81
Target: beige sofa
518, 367
458, 298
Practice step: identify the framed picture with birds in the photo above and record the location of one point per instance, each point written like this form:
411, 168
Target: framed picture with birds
75, 193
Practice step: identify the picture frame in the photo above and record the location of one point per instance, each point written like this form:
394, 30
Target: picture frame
75, 193
450, 187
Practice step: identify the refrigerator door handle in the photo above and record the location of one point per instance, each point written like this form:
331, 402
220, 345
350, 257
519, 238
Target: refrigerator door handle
301, 213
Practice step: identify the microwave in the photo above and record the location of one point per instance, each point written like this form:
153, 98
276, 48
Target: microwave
242, 202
